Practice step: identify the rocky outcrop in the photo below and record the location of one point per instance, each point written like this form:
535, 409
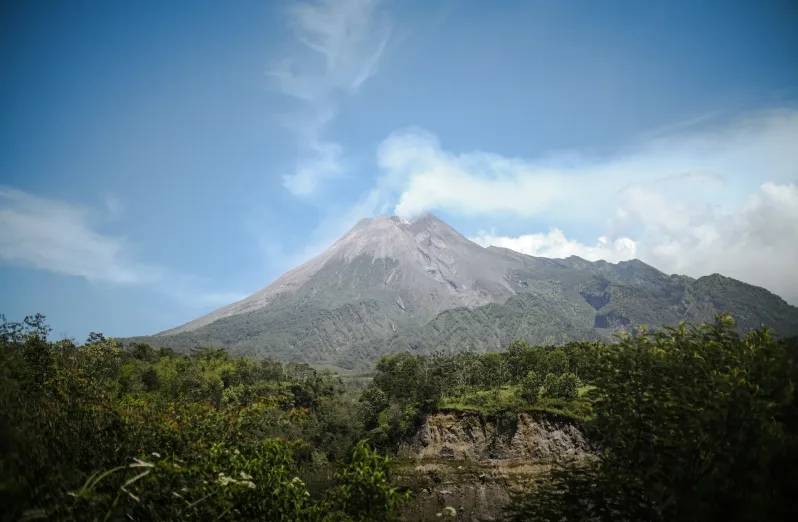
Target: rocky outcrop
469, 436
470, 463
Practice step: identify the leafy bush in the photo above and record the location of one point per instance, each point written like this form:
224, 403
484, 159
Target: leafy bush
364, 489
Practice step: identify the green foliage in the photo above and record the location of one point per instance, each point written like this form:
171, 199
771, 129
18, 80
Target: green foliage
364, 489
690, 422
521, 358
530, 387
222, 483
96, 432
694, 423
564, 386
557, 362
490, 403
251, 482
492, 383
373, 401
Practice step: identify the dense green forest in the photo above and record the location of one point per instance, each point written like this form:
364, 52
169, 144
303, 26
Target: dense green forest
686, 423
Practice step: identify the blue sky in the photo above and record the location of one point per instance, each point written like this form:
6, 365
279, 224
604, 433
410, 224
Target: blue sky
161, 159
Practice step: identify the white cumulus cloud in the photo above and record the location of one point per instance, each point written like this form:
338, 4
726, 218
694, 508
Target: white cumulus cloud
756, 242
422, 175
696, 198
554, 244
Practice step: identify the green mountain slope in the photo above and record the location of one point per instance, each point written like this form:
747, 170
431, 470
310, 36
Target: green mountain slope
555, 320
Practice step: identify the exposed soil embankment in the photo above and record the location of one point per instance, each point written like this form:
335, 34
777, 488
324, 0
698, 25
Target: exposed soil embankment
471, 463
470, 436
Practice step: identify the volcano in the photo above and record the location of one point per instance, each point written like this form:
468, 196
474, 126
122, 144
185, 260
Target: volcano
391, 284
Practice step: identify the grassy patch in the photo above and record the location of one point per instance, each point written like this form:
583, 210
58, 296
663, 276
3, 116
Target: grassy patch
506, 400
578, 409
488, 402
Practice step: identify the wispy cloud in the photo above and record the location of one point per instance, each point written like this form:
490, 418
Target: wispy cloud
52, 235
338, 46
323, 162
341, 42
60, 237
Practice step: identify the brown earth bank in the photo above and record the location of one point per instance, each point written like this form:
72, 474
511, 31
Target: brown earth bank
471, 463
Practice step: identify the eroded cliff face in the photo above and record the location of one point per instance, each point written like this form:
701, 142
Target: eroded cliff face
471, 463
469, 436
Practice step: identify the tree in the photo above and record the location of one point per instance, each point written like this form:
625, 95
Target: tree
557, 362
515, 355
530, 387
564, 386
142, 352
373, 401
494, 370
582, 357
95, 337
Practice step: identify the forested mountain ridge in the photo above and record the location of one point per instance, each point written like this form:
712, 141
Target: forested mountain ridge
390, 285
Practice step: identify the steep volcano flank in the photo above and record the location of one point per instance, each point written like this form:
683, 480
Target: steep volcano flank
422, 266
389, 285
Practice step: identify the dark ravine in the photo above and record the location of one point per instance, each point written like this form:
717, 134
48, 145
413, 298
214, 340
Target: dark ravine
471, 463
391, 285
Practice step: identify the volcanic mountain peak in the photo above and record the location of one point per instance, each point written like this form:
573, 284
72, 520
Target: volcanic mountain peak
379, 237
422, 248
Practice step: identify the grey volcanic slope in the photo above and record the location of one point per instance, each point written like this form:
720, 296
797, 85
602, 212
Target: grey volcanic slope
423, 267
390, 285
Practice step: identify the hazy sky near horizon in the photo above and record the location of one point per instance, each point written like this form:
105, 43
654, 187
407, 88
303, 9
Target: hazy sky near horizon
162, 159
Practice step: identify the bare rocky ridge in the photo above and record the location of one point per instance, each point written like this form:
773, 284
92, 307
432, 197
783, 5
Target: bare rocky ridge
389, 285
